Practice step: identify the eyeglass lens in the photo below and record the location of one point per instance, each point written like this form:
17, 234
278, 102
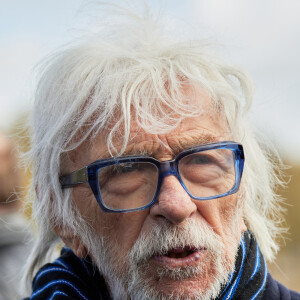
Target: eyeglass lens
128, 185
208, 173
133, 185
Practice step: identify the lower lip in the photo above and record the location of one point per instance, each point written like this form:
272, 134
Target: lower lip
189, 260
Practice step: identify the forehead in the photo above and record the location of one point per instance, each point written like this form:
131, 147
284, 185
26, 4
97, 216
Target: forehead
210, 126
190, 132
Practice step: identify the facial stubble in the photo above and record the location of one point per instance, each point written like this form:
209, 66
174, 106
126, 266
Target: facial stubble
134, 275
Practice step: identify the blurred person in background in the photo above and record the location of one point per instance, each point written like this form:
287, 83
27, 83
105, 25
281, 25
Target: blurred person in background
138, 150
13, 227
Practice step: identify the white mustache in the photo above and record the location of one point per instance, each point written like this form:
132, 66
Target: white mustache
164, 237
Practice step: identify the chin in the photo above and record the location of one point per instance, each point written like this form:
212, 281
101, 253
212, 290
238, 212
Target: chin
192, 289
203, 281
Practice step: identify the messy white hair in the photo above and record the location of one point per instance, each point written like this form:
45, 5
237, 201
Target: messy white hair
136, 72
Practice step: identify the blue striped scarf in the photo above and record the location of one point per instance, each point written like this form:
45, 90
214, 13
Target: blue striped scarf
249, 278
69, 277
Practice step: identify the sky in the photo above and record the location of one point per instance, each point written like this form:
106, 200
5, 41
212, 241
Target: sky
261, 36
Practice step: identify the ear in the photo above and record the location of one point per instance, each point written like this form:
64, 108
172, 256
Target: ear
71, 240
243, 225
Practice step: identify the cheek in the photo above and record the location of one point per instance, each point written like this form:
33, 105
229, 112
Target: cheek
223, 215
86, 203
219, 213
122, 229
229, 208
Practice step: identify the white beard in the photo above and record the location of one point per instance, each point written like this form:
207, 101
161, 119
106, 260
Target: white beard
130, 278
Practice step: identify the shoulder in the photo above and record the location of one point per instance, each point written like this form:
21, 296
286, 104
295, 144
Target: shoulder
68, 277
275, 290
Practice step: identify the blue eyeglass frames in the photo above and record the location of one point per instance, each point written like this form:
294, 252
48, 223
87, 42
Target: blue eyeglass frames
132, 183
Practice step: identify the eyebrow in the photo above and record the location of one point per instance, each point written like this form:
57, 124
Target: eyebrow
199, 140
176, 148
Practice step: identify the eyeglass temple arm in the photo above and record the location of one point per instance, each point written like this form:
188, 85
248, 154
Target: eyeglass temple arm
75, 178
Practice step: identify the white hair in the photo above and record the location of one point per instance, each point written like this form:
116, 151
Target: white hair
138, 75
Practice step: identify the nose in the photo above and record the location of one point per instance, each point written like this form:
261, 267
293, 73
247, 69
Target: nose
173, 202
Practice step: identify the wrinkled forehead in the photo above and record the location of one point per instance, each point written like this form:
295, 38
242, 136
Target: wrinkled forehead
209, 126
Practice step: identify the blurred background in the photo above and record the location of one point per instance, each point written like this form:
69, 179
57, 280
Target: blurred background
261, 36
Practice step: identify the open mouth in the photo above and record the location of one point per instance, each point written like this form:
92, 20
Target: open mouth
179, 256
180, 252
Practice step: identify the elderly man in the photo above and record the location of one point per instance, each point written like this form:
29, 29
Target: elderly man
139, 150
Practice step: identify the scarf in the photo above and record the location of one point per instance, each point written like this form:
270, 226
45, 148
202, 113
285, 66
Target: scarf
249, 277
